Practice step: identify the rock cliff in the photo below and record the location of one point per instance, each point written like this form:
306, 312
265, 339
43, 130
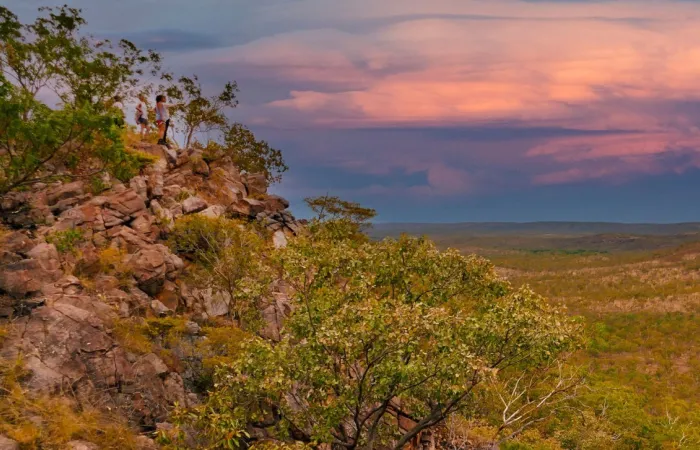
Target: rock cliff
73, 262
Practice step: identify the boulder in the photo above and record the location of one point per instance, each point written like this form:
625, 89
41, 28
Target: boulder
25, 209
170, 295
16, 242
151, 267
275, 203
142, 224
256, 206
279, 239
214, 211
7, 443
192, 205
65, 191
170, 156
213, 303
278, 308
87, 216
159, 309
240, 209
28, 276
140, 186
128, 239
199, 166
122, 207
256, 183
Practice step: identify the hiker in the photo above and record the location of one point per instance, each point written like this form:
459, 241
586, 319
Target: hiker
163, 118
141, 117
119, 106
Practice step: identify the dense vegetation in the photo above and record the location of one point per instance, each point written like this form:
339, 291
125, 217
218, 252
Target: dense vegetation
641, 310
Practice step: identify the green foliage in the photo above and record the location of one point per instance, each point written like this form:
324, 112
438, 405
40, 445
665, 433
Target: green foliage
52, 53
198, 112
339, 219
641, 315
65, 241
38, 143
390, 328
35, 141
97, 185
229, 258
248, 153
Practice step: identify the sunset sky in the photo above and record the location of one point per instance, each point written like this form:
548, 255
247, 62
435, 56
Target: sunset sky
459, 110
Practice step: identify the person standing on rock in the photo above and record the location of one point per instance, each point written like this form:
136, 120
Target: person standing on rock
163, 118
141, 117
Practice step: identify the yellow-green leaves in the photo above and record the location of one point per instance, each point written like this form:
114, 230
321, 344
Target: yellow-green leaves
380, 329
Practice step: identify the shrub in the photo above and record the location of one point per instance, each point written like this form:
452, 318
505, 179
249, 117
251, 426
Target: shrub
248, 153
229, 258
65, 241
112, 260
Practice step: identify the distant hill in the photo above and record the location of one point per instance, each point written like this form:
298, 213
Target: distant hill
544, 236
534, 228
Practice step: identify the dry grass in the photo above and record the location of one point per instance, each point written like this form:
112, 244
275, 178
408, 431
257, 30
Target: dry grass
47, 422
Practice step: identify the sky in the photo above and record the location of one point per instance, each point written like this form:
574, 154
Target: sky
451, 110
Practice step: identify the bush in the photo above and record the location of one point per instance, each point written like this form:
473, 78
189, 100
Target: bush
229, 257
65, 241
248, 153
112, 260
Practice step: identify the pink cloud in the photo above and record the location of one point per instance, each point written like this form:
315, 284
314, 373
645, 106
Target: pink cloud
577, 65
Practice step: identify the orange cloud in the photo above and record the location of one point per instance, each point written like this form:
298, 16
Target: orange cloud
583, 65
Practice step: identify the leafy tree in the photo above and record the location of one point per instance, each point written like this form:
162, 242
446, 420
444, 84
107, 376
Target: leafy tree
198, 112
248, 153
52, 53
391, 331
78, 138
50, 142
340, 218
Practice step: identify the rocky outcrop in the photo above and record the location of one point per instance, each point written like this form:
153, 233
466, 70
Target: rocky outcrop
64, 325
152, 265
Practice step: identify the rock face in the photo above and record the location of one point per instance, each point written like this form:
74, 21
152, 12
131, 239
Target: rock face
66, 344
7, 443
67, 333
25, 272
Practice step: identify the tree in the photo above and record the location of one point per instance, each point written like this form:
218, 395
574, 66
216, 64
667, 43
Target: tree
340, 218
79, 137
52, 53
198, 112
38, 143
387, 332
248, 153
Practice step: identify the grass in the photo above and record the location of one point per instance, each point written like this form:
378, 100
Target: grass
65, 241
47, 422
